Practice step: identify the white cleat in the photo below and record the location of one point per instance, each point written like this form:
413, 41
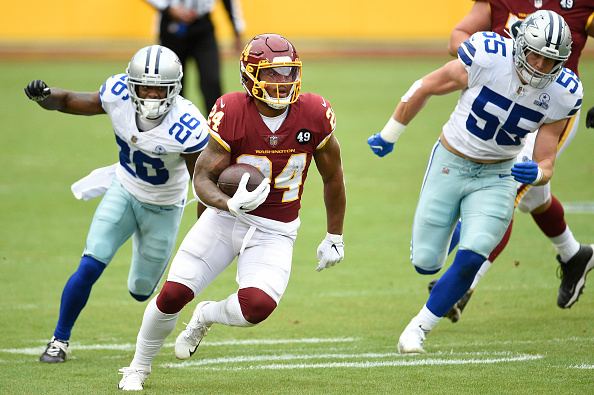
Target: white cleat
188, 341
133, 379
411, 340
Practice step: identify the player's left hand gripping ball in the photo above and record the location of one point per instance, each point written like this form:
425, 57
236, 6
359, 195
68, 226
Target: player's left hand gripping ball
330, 251
379, 146
37, 90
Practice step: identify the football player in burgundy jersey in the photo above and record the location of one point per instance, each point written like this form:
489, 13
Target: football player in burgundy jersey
576, 259
278, 130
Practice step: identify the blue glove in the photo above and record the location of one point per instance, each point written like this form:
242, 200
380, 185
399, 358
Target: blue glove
379, 146
527, 172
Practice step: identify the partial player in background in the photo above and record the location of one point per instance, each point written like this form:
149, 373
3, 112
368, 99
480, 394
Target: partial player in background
185, 27
576, 260
510, 89
278, 130
159, 135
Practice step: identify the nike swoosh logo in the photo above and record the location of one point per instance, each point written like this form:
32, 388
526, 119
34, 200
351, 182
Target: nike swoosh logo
324, 102
377, 146
222, 104
195, 348
504, 175
335, 248
242, 208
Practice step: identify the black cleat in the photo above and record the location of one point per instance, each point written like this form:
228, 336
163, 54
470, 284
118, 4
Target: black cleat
573, 276
55, 352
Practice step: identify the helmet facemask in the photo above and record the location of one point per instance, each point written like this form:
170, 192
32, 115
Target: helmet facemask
154, 66
546, 34
271, 60
285, 73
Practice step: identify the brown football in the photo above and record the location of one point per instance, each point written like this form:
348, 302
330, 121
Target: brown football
230, 177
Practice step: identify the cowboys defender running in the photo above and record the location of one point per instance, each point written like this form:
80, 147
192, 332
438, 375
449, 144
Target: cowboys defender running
160, 135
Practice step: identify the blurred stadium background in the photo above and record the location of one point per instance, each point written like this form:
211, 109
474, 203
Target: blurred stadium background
119, 27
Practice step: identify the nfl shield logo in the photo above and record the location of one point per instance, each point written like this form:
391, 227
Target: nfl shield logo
273, 140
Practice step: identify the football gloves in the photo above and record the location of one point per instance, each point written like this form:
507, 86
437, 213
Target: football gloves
330, 251
244, 201
37, 90
590, 118
527, 172
379, 146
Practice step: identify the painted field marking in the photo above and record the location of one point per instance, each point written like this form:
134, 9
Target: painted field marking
352, 364
361, 360
510, 356
582, 366
579, 207
132, 346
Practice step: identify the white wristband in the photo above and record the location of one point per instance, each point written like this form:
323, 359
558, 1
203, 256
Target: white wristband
538, 177
392, 130
334, 239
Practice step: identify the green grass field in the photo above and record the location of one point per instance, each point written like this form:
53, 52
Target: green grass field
334, 331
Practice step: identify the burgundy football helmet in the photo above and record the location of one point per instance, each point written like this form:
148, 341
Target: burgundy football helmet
270, 59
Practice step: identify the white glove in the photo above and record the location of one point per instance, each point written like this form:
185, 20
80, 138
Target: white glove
330, 251
244, 201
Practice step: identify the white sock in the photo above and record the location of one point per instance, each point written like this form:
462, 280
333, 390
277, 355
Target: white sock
567, 246
226, 312
426, 319
155, 328
484, 267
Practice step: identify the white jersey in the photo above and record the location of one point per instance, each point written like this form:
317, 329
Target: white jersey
496, 112
151, 166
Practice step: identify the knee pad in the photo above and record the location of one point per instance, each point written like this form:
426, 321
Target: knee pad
426, 261
255, 304
173, 297
140, 298
141, 288
534, 198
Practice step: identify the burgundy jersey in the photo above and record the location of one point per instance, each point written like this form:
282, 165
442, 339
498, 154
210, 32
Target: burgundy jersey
284, 156
577, 13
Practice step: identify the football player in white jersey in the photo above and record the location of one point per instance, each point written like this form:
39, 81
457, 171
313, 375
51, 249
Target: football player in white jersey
160, 135
509, 88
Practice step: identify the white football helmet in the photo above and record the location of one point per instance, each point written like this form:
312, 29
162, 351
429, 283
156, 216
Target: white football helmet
544, 33
154, 65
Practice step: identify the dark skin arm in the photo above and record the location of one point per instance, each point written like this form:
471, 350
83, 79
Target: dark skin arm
70, 102
329, 164
87, 103
191, 164
210, 164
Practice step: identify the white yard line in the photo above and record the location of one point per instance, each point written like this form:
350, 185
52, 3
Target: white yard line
350, 360
376, 364
132, 346
297, 357
579, 207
